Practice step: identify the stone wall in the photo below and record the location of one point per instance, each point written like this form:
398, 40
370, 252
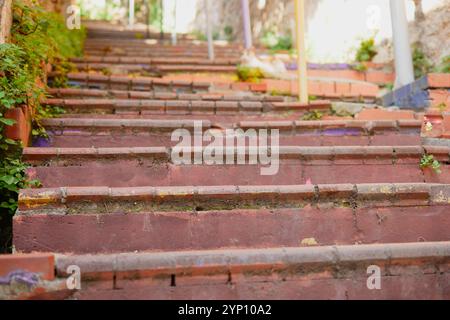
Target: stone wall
431, 33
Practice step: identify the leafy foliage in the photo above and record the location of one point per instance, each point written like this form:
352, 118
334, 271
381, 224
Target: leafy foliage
247, 74
444, 67
366, 51
229, 33
428, 161
276, 42
313, 115
39, 38
421, 64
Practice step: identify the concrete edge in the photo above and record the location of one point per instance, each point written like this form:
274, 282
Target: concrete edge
241, 260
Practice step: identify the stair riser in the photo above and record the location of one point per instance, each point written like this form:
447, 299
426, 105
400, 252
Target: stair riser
118, 86
106, 233
152, 54
149, 61
154, 68
421, 286
135, 95
142, 172
73, 138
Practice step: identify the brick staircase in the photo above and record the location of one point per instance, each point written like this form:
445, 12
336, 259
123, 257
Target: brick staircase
349, 194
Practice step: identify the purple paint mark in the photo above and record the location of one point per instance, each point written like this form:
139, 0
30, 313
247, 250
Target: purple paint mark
342, 132
41, 142
28, 278
319, 66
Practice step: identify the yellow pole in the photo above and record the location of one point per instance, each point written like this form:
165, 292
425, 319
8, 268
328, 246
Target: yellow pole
301, 51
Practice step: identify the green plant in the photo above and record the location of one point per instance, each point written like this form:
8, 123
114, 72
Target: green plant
276, 42
43, 38
313, 115
228, 32
441, 107
247, 74
361, 67
444, 66
428, 161
198, 35
389, 86
421, 64
16, 83
366, 51
38, 38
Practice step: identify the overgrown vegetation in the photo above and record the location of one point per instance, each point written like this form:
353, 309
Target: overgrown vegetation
365, 53
38, 39
247, 74
313, 115
201, 36
277, 42
421, 64
229, 33
444, 66
428, 161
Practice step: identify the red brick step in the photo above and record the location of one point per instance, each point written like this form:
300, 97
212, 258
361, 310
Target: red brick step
128, 167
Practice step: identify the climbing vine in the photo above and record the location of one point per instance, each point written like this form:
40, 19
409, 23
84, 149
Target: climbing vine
39, 39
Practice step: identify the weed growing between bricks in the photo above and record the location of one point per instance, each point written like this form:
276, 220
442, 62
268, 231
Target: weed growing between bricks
38, 39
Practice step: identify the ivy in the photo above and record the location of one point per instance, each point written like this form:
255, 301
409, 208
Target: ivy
39, 39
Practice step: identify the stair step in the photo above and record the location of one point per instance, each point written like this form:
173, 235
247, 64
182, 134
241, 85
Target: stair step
154, 95
408, 271
114, 132
131, 68
154, 61
128, 167
151, 53
94, 220
183, 107
69, 199
100, 81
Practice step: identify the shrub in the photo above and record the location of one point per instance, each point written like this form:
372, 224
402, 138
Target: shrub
247, 74
421, 64
366, 51
277, 42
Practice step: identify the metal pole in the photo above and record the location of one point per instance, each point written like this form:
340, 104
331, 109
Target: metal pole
174, 28
161, 20
403, 58
147, 5
301, 51
131, 13
105, 9
209, 30
247, 24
